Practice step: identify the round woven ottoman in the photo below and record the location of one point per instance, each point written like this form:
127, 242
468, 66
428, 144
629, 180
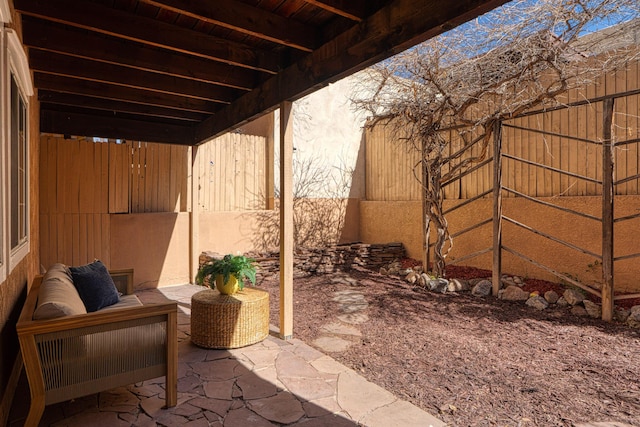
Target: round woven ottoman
229, 321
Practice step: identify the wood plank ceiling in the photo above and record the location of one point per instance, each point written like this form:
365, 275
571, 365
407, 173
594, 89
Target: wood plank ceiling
183, 71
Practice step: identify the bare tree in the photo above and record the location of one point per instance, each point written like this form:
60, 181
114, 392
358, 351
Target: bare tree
525, 54
320, 197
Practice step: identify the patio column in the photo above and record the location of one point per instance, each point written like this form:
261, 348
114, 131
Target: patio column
194, 220
286, 220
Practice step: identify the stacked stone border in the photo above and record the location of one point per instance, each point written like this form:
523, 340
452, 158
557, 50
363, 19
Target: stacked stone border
331, 259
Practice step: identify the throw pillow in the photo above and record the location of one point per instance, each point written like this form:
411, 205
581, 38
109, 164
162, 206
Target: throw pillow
95, 285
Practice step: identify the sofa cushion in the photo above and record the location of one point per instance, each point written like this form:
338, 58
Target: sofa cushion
126, 301
95, 285
57, 296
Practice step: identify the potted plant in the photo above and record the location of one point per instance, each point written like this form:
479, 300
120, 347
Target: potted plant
230, 272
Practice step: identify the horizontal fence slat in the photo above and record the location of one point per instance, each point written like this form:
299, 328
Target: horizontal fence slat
552, 238
554, 272
551, 205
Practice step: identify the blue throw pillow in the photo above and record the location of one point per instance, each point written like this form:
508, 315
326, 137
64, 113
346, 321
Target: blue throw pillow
95, 285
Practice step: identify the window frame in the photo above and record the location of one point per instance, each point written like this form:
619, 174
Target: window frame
4, 130
14, 67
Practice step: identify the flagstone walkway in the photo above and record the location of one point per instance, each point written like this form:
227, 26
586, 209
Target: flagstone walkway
272, 383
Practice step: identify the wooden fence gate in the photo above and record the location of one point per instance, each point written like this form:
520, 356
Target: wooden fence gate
583, 148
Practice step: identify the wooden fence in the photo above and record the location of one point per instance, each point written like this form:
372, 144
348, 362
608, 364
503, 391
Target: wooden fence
560, 139
585, 146
83, 181
232, 171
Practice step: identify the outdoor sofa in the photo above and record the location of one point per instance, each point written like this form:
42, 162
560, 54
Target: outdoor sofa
69, 352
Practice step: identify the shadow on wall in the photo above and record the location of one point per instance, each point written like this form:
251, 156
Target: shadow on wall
156, 245
357, 192
324, 210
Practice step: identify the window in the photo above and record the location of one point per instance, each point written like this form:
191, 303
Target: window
16, 90
18, 149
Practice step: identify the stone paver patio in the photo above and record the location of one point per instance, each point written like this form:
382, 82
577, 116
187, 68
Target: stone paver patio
272, 383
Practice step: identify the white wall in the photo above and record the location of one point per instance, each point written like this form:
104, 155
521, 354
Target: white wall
326, 127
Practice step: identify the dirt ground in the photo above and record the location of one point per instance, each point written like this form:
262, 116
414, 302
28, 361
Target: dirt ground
478, 361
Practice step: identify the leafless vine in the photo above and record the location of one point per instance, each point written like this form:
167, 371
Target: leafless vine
320, 197
443, 97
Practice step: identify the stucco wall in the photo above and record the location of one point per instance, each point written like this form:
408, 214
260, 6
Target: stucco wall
233, 232
400, 221
156, 245
327, 129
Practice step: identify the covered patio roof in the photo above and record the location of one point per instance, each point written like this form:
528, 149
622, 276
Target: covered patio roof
183, 71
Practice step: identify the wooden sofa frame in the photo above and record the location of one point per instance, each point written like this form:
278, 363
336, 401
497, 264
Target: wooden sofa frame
78, 355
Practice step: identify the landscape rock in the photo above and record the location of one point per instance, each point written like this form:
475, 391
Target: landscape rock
537, 302
476, 280
482, 288
634, 317
573, 296
514, 293
594, 310
578, 310
458, 285
383, 271
411, 277
562, 302
424, 279
507, 281
621, 315
552, 297
438, 285
518, 281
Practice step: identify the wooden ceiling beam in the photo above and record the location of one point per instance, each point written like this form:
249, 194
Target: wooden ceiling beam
65, 65
61, 99
246, 19
90, 125
46, 36
117, 23
119, 93
399, 25
351, 9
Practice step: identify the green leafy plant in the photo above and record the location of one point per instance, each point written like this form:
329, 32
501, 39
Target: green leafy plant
237, 265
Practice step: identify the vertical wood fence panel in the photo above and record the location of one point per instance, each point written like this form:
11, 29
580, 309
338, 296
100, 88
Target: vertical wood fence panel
158, 177
557, 139
119, 165
389, 167
82, 182
231, 173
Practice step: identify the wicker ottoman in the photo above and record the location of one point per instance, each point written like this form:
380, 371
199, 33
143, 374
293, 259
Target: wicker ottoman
229, 321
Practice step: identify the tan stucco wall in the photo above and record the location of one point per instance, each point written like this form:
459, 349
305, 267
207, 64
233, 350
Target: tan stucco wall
233, 232
156, 245
400, 221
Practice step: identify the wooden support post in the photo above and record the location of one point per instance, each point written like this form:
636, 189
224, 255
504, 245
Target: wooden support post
194, 217
497, 208
286, 220
607, 211
269, 165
